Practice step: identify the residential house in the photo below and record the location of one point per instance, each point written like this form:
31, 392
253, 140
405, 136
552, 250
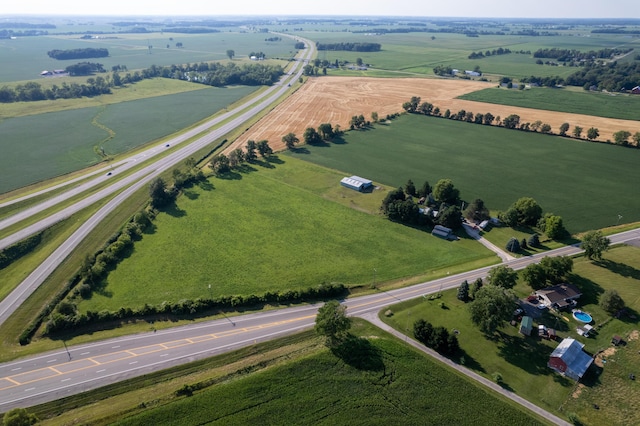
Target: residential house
559, 296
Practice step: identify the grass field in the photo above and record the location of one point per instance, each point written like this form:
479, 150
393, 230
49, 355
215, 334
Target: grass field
271, 230
381, 382
625, 107
25, 57
522, 360
52, 144
495, 164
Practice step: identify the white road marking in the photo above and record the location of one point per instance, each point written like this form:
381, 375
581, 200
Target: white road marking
101, 371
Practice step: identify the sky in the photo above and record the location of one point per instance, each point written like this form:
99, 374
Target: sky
429, 8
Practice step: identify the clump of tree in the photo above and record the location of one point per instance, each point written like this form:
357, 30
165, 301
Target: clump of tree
594, 244
19, 417
357, 122
491, 308
332, 323
84, 53
550, 271
553, 226
311, 136
524, 212
290, 140
611, 301
84, 68
476, 211
502, 276
437, 338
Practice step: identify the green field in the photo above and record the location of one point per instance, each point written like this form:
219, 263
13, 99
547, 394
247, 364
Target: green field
522, 360
566, 177
381, 382
621, 106
25, 57
55, 143
274, 230
418, 53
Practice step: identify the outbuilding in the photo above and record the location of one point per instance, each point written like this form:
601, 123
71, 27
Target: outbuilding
569, 359
526, 325
356, 183
636, 90
442, 232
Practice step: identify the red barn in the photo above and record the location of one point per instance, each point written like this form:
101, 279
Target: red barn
569, 360
636, 90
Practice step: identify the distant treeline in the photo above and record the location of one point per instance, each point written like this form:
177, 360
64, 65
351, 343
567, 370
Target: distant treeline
26, 25
350, 47
613, 77
499, 51
470, 32
563, 55
33, 91
87, 52
84, 68
614, 31
26, 33
189, 30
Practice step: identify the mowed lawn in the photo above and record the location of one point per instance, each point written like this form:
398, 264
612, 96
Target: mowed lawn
381, 382
38, 147
588, 184
621, 106
273, 230
522, 360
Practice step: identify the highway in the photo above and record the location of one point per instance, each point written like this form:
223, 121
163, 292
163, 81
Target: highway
50, 376
127, 185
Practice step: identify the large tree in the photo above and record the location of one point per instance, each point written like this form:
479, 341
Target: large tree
564, 128
264, 149
445, 192
557, 269
332, 322
592, 133
251, 148
529, 212
622, 137
290, 140
491, 308
326, 131
311, 136
512, 121
535, 276
19, 417
502, 276
611, 301
594, 244
158, 192
477, 211
451, 217
231, 53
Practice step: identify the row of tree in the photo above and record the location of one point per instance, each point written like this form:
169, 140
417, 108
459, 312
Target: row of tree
499, 51
83, 53
33, 91
350, 46
562, 55
221, 163
512, 121
613, 77
84, 68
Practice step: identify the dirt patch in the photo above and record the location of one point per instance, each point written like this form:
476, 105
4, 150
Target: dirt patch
607, 353
336, 99
634, 335
578, 390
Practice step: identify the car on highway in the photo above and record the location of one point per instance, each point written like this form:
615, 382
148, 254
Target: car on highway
109, 174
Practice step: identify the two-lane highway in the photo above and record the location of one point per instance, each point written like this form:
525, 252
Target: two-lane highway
48, 377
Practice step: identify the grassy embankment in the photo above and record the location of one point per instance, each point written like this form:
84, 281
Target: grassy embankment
297, 380
564, 100
498, 165
522, 360
273, 229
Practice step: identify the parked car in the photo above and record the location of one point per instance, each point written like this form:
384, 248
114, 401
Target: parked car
542, 305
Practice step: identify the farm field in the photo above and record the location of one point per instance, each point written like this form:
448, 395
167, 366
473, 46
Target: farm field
495, 164
380, 382
25, 57
626, 107
420, 52
522, 360
336, 99
56, 143
272, 229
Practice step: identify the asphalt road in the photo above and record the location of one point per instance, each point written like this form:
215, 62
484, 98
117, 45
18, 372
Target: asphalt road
51, 376
128, 185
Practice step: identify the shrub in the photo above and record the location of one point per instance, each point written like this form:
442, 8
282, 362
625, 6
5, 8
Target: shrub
513, 245
534, 240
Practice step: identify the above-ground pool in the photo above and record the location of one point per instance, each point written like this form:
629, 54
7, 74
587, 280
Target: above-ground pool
582, 316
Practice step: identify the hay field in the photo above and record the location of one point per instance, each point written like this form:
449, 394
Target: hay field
336, 99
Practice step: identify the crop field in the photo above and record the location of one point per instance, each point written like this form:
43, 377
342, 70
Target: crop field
273, 230
55, 143
380, 382
419, 53
25, 57
497, 165
610, 105
522, 360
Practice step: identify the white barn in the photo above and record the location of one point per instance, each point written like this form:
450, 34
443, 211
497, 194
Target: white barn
356, 183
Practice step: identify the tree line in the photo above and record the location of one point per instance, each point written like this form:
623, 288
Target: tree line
564, 55
33, 91
84, 53
512, 121
494, 52
613, 77
350, 46
84, 68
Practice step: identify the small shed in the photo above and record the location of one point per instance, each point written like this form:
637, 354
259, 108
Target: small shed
636, 90
526, 325
616, 340
483, 224
442, 232
356, 183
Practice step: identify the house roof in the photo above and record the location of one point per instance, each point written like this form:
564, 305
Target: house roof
571, 353
441, 231
560, 292
527, 322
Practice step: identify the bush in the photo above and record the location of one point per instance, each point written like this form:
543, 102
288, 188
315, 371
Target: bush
513, 245
534, 240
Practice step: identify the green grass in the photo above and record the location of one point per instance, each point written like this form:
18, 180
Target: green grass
381, 382
56, 143
578, 102
272, 230
500, 235
522, 360
495, 164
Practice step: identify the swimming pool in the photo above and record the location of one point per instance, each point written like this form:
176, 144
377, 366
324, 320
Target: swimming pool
582, 316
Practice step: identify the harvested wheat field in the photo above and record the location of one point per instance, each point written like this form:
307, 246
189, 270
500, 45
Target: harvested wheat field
336, 99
